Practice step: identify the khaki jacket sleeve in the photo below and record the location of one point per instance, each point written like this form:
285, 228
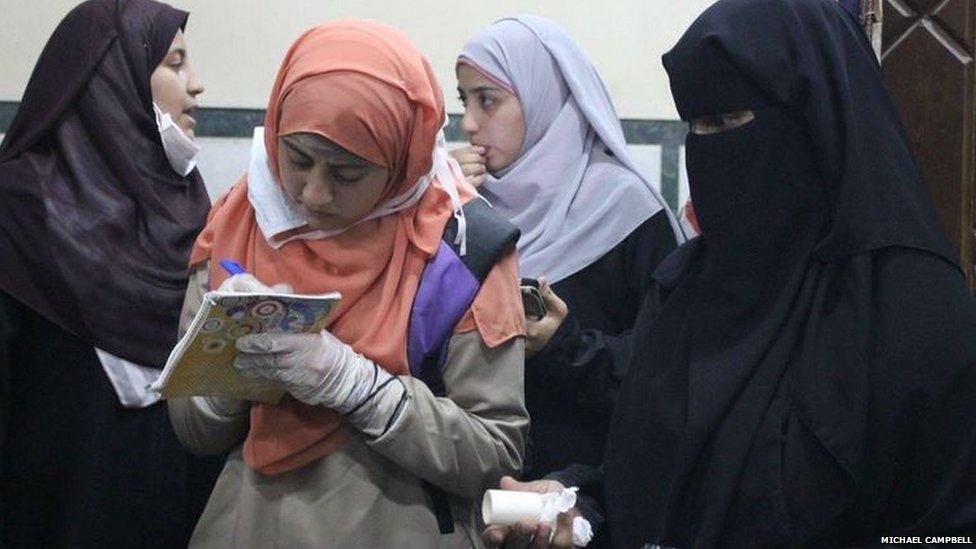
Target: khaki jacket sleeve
205, 425
464, 442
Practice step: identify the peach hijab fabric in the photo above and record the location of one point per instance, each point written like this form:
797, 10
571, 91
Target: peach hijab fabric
364, 86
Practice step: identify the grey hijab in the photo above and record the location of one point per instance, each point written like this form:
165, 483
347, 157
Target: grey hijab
574, 191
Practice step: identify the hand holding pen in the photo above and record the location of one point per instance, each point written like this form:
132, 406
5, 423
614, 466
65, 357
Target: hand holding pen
240, 281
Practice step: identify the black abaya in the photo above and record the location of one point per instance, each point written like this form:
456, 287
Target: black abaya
809, 379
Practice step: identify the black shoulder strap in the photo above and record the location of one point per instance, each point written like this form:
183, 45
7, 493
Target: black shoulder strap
489, 236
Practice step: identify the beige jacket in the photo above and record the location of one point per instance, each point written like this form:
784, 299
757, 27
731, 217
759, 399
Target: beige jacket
369, 493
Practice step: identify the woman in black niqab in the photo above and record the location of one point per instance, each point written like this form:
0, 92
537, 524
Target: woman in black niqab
809, 375
95, 233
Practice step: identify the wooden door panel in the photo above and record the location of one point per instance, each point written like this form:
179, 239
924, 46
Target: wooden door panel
895, 24
953, 18
927, 58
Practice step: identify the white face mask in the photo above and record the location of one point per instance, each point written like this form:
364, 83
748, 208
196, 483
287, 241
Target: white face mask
180, 149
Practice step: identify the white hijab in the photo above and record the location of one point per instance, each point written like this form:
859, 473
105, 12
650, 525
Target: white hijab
574, 192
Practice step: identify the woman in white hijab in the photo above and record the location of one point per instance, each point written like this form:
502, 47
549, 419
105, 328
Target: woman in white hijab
548, 152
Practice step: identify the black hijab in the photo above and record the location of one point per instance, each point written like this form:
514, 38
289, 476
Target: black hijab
778, 295
96, 227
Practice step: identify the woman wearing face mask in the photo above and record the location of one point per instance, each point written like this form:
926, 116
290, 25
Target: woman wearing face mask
380, 441
100, 208
549, 153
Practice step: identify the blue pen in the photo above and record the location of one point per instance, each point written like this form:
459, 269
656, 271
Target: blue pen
232, 267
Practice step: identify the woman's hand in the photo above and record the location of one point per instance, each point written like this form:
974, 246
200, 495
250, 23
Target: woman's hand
539, 332
245, 283
224, 406
472, 161
316, 369
527, 534
242, 283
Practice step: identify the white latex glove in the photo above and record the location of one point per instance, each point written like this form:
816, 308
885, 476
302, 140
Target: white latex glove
246, 283
320, 370
242, 283
222, 407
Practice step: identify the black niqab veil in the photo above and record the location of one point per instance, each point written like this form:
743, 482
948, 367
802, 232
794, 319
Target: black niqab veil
96, 227
812, 215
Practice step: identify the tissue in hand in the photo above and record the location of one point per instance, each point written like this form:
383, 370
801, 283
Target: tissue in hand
505, 507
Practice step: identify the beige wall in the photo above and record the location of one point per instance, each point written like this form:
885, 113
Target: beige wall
237, 44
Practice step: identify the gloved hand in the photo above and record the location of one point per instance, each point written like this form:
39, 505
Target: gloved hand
244, 283
222, 407
320, 370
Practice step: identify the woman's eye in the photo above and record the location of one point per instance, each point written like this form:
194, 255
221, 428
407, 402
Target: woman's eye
299, 160
712, 121
487, 101
735, 119
715, 123
706, 124
347, 175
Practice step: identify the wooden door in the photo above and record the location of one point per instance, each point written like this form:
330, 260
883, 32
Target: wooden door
927, 58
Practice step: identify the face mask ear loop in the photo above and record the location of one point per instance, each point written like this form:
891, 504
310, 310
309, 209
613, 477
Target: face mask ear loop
180, 150
447, 170
161, 118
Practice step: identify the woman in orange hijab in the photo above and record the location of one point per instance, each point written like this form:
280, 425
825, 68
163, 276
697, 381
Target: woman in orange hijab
350, 189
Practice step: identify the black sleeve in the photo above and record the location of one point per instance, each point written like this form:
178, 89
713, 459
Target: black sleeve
929, 390
917, 453
587, 365
8, 323
939, 495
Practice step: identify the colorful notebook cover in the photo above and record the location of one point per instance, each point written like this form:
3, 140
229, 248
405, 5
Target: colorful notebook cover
202, 363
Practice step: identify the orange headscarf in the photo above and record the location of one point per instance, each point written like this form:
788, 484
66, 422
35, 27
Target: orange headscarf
364, 86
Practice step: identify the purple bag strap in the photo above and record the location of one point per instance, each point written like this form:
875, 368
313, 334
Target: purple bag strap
449, 285
447, 290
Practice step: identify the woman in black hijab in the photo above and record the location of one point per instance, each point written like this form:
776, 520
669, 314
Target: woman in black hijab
807, 374
96, 226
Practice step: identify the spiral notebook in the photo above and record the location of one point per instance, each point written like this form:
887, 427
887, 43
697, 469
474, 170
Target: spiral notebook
202, 363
